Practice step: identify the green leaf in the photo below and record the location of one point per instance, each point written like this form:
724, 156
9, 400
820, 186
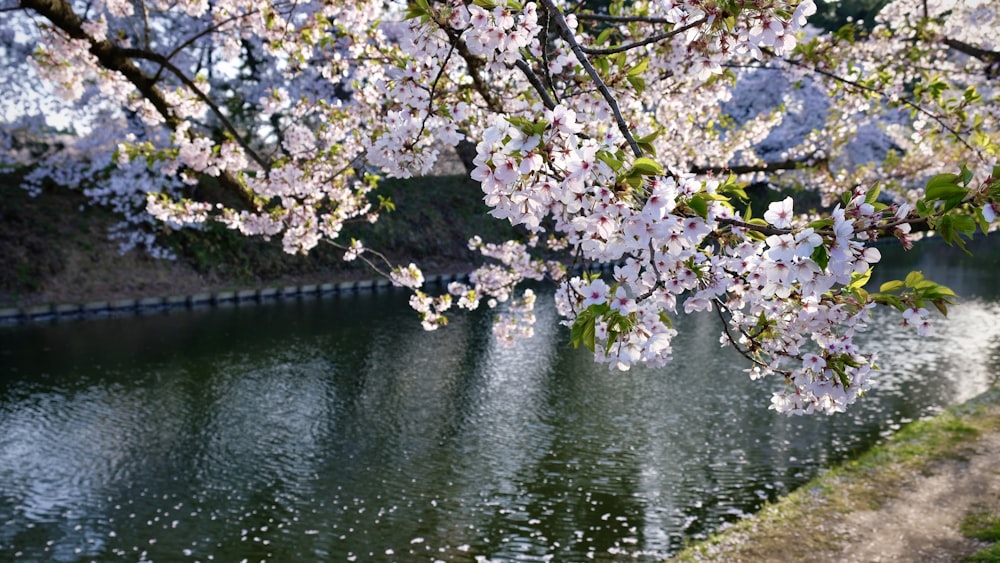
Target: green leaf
609, 159
619, 59
634, 180
647, 167
699, 205
602, 39
639, 68
942, 179
913, 278
821, 256
872, 195
890, 300
590, 334
638, 84
386, 203
893, 285
964, 224
731, 187
665, 319
984, 226
859, 280
966, 176
941, 305
951, 227
602, 64
649, 138
583, 329
945, 191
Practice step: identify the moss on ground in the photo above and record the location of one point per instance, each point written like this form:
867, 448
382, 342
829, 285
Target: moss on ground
983, 524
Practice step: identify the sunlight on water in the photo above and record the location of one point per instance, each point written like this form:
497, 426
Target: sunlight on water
337, 429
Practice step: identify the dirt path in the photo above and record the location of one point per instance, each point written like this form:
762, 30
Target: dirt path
921, 523
905, 500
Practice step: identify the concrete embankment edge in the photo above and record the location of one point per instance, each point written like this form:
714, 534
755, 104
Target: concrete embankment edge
11, 315
241, 297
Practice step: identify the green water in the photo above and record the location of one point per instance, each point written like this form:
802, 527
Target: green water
336, 429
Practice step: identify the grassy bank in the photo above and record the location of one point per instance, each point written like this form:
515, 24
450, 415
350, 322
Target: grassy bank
817, 522
54, 248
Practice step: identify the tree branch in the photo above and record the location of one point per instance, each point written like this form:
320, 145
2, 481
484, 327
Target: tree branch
991, 58
567, 34
623, 19
190, 84
61, 14
536, 83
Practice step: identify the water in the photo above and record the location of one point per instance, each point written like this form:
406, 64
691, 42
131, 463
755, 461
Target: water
336, 429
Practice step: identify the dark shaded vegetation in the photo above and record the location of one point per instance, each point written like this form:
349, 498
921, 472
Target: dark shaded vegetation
832, 15
434, 218
432, 222
30, 230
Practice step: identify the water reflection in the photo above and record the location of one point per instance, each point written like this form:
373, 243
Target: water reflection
338, 430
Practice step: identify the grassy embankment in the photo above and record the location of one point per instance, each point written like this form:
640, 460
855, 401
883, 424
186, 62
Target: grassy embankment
794, 528
54, 247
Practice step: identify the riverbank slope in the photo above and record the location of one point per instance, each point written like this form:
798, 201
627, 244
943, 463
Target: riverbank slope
55, 250
930, 493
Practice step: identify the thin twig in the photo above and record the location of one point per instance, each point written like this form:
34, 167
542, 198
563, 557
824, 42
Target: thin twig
433, 89
623, 19
725, 327
651, 39
920, 109
545, 57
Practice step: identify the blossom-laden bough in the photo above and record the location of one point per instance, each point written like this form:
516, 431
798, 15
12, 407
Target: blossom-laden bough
624, 136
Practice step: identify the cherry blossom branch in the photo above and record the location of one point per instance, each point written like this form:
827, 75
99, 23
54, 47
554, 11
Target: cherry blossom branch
857, 85
991, 58
191, 85
361, 255
113, 58
762, 229
475, 64
545, 56
432, 91
567, 34
659, 282
729, 335
210, 29
62, 15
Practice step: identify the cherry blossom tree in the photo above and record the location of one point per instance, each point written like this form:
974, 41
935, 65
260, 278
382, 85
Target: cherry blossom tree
624, 136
